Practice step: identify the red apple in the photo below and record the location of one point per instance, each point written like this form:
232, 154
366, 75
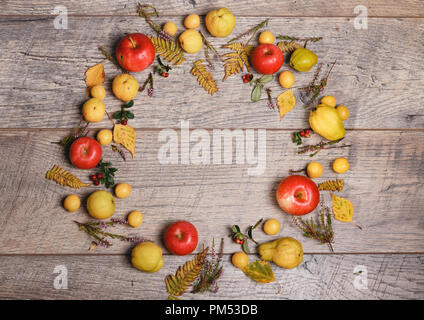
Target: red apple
181, 238
297, 195
267, 58
85, 153
135, 52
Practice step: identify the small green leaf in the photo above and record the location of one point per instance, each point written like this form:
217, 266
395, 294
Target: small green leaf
129, 115
256, 93
129, 104
235, 228
266, 78
117, 115
245, 247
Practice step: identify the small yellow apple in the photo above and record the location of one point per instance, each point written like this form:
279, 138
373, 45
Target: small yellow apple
93, 110
125, 87
220, 22
191, 41
147, 257
101, 204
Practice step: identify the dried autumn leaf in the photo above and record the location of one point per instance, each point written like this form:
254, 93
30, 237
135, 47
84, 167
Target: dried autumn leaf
285, 102
331, 185
204, 77
259, 271
126, 136
95, 75
64, 178
177, 284
237, 59
169, 50
288, 46
342, 208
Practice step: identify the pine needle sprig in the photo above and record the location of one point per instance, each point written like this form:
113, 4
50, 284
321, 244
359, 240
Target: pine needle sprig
111, 59
209, 47
321, 146
97, 231
314, 89
146, 11
252, 30
176, 285
80, 131
331, 185
211, 271
65, 178
320, 228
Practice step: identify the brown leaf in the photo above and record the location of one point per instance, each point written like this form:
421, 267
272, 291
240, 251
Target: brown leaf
95, 75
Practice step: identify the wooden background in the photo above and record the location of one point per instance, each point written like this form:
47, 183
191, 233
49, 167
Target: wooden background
378, 75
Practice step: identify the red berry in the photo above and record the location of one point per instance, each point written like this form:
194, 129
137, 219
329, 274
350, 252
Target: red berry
245, 80
307, 131
166, 75
124, 122
96, 182
99, 176
93, 177
302, 133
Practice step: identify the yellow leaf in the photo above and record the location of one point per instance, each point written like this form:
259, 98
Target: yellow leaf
259, 271
95, 75
65, 178
342, 208
285, 102
126, 136
237, 59
204, 77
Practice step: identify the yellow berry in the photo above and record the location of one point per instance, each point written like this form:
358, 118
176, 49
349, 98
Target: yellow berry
329, 101
170, 28
314, 169
240, 259
123, 190
266, 37
135, 219
104, 137
341, 165
272, 226
72, 203
286, 79
192, 21
98, 92
343, 112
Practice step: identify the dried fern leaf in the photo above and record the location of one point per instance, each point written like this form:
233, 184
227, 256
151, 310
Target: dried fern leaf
64, 178
288, 46
331, 185
185, 276
204, 77
169, 50
237, 59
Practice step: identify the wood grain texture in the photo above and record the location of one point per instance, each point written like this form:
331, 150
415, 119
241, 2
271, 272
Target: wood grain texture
113, 277
378, 75
271, 8
385, 184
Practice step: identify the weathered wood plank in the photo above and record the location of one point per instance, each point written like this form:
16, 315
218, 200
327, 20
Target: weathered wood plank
379, 75
113, 277
303, 8
385, 184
